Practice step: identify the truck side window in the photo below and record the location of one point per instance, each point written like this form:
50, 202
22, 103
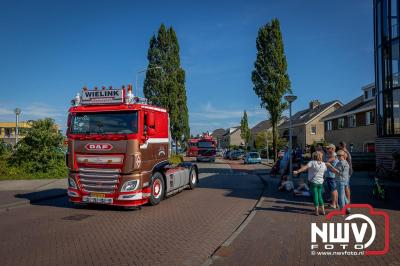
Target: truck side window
145, 124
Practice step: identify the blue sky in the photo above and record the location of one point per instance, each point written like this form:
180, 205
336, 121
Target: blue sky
50, 49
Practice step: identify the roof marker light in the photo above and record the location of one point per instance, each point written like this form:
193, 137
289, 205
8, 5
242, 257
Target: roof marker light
129, 96
77, 100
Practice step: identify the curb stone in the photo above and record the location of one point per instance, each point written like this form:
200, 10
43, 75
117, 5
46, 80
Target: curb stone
225, 245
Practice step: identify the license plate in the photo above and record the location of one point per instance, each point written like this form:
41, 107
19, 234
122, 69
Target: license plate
97, 195
97, 200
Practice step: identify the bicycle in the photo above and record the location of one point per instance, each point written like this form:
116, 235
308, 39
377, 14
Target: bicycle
382, 173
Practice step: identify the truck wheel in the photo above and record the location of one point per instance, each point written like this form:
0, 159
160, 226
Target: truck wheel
157, 189
192, 178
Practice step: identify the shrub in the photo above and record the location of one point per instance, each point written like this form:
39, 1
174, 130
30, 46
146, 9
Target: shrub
176, 159
40, 152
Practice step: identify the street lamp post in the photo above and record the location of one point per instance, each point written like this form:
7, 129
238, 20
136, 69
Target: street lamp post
17, 112
267, 147
290, 99
144, 71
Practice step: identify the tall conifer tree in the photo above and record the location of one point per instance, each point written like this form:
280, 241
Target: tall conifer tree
244, 129
270, 77
166, 86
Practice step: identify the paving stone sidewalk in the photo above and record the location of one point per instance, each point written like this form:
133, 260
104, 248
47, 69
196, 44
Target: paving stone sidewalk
280, 231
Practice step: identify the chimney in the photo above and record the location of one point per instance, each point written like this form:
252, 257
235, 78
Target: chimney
314, 104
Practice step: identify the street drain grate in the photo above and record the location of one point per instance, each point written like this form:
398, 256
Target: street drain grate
78, 217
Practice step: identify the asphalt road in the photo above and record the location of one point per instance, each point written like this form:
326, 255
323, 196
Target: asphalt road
184, 229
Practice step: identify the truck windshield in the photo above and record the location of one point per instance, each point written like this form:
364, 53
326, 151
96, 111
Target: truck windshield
205, 144
104, 123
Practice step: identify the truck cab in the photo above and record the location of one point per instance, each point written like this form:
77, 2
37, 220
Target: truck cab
118, 150
206, 149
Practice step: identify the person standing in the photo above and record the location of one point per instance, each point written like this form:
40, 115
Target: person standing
342, 171
331, 177
320, 149
285, 162
343, 147
316, 170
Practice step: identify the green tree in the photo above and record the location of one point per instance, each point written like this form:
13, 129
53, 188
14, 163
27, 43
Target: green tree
5, 148
41, 150
164, 84
245, 132
270, 77
261, 139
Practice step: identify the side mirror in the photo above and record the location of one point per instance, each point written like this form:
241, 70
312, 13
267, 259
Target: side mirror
150, 120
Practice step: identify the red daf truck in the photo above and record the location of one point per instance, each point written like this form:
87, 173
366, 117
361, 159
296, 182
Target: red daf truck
192, 148
206, 149
118, 150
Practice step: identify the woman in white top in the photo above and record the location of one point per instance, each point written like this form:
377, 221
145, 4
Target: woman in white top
316, 169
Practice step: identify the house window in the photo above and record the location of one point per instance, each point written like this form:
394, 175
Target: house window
341, 123
7, 132
369, 117
366, 94
313, 129
352, 121
329, 125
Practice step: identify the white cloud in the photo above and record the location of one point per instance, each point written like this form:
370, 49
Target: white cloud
6, 111
210, 112
30, 111
40, 110
209, 118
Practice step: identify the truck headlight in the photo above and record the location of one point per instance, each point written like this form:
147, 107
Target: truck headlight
130, 185
72, 183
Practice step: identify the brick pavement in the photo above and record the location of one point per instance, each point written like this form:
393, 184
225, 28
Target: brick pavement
279, 233
183, 230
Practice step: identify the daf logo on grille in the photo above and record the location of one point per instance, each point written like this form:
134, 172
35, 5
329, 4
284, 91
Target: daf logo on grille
98, 146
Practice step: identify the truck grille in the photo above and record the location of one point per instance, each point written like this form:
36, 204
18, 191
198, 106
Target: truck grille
99, 180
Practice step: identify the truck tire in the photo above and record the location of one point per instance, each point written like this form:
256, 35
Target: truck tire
192, 178
157, 189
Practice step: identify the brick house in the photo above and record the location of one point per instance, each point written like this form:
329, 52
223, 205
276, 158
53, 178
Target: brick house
7, 131
354, 123
263, 126
307, 124
217, 135
231, 138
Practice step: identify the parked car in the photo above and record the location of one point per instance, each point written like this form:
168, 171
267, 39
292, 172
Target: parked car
226, 154
236, 155
252, 157
264, 153
219, 153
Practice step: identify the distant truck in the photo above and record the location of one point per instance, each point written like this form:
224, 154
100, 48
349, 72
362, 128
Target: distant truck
192, 148
206, 149
118, 150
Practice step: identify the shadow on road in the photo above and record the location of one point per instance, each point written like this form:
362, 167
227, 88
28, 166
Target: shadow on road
38, 196
235, 184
